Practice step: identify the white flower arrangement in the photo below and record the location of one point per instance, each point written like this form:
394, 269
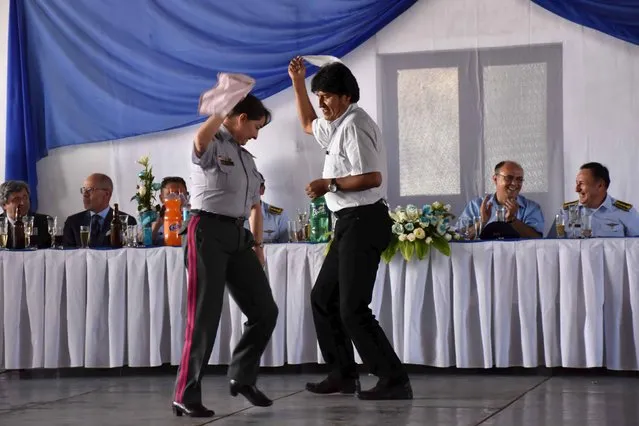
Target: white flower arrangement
415, 231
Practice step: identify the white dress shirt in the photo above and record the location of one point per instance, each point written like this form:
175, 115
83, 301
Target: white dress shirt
354, 146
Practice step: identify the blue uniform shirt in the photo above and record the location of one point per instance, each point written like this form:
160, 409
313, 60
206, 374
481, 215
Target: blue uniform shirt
529, 211
275, 228
613, 218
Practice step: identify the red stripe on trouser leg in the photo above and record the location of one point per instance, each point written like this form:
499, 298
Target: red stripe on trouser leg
191, 297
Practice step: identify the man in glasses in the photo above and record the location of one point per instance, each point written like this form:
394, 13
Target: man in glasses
98, 214
524, 215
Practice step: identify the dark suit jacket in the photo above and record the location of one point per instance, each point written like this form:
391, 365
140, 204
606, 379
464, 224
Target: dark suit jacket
71, 237
41, 239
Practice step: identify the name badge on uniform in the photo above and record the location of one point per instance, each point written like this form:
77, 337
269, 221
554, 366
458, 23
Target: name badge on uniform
225, 160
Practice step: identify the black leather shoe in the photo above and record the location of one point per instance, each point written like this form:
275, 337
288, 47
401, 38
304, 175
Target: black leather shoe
191, 410
387, 389
333, 385
250, 392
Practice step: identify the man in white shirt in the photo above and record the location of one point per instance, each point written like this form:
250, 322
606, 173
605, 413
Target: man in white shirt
352, 182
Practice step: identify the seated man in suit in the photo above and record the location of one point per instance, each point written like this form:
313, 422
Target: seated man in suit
524, 215
96, 196
170, 185
14, 197
609, 217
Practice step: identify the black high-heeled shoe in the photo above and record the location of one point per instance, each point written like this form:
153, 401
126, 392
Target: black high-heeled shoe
191, 410
251, 393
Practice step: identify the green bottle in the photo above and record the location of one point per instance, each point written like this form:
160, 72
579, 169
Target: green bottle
320, 221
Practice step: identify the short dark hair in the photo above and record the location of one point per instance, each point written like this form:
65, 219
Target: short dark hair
599, 171
503, 163
172, 179
336, 78
253, 108
11, 187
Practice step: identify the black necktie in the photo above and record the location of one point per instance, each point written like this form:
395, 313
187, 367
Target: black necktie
94, 232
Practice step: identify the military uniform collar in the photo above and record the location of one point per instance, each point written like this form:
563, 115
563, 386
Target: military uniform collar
223, 134
606, 204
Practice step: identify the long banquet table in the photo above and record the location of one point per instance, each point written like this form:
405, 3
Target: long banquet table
570, 303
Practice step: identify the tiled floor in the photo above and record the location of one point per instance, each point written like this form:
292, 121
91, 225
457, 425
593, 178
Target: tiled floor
442, 400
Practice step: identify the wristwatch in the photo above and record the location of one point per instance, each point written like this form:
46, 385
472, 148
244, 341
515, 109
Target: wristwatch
332, 187
260, 244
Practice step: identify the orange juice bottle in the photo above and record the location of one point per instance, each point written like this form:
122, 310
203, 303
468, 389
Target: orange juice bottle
172, 220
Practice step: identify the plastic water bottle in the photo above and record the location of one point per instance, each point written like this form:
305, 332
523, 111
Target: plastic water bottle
320, 221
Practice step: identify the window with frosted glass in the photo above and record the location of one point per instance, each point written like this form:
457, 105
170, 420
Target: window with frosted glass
428, 125
515, 125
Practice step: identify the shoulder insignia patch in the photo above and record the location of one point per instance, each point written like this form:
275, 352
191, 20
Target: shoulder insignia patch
275, 210
567, 204
622, 205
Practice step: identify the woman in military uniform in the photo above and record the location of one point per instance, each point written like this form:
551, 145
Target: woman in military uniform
225, 189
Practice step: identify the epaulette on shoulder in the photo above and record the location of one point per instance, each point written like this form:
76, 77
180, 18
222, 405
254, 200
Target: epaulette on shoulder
275, 210
622, 205
568, 204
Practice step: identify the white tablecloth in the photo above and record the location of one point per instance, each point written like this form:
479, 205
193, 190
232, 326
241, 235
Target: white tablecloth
529, 303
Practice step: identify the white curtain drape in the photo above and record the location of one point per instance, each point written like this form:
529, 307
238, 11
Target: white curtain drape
570, 303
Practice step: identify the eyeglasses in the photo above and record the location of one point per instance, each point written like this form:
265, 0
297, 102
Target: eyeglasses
509, 178
90, 190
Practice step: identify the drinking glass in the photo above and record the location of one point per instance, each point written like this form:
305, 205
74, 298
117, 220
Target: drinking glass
131, 236
501, 213
52, 223
4, 232
477, 226
586, 225
574, 221
84, 236
560, 224
28, 230
293, 229
463, 227
57, 239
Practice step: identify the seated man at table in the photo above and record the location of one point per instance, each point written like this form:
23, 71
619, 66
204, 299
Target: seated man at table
170, 185
14, 198
98, 214
610, 217
275, 221
524, 215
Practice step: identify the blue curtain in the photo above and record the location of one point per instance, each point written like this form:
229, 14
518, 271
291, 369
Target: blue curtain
91, 70
618, 18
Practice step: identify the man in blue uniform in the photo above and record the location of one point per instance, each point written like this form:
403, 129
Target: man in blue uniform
610, 217
275, 220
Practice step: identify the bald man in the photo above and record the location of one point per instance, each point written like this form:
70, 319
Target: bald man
98, 214
524, 215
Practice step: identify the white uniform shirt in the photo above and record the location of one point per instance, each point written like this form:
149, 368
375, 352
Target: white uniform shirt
354, 146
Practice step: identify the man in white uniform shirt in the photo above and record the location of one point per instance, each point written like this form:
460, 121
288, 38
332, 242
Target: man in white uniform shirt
352, 182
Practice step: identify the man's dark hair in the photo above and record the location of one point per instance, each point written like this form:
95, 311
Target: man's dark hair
253, 108
336, 78
599, 171
172, 179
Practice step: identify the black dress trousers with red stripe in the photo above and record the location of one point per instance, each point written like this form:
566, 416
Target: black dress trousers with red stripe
220, 253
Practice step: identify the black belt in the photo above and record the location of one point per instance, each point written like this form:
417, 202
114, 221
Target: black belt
350, 210
238, 221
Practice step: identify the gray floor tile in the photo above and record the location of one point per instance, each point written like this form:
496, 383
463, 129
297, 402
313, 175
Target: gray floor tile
443, 400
